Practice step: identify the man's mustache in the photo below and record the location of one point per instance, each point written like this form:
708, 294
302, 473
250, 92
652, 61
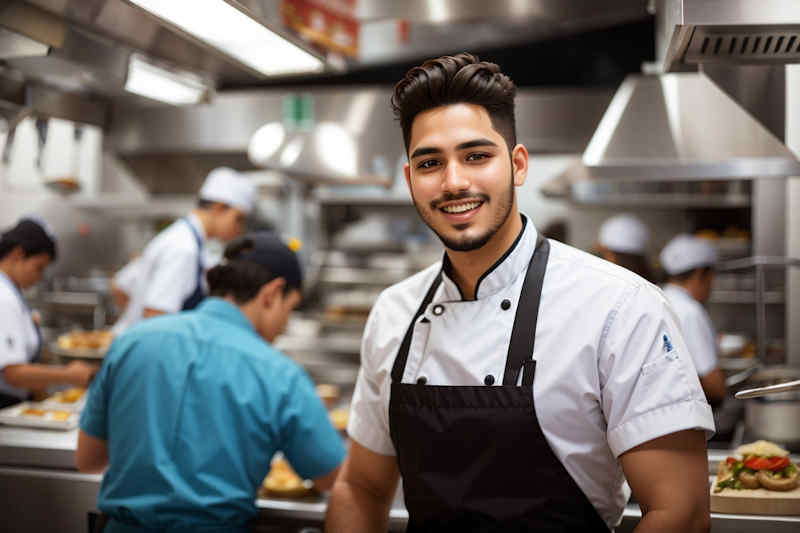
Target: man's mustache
450, 197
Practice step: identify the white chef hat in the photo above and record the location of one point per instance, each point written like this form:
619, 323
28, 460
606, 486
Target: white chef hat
686, 252
228, 186
624, 233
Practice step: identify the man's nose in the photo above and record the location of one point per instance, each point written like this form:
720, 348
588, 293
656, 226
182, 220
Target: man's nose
456, 178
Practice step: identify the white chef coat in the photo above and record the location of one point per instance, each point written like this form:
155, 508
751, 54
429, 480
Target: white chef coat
698, 332
164, 275
18, 338
612, 368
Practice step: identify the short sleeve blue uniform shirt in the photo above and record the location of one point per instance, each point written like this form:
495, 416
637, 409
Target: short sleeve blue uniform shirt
193, 406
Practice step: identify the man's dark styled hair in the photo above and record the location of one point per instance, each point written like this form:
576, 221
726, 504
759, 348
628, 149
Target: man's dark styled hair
462, 78
251, 262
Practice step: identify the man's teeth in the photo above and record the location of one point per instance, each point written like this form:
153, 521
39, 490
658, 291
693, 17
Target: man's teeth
460, 208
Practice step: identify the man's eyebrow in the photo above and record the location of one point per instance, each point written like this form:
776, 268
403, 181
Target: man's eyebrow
476, 142
425, 150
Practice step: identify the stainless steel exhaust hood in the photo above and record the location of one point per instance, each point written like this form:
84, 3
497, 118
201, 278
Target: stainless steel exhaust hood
728, 31
682, 126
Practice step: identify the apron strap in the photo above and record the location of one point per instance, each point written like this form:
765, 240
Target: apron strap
523, 335
402, 354
199, 242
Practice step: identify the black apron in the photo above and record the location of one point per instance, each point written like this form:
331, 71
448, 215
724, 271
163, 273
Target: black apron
474, 458
7, 399
198, 294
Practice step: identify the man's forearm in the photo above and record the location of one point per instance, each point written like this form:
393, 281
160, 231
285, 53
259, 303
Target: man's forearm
353, 509
35, 376
667, 521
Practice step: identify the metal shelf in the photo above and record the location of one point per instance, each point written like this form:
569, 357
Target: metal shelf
663, 200
745, 297
128, 206
364, 200
339, 344
361, 276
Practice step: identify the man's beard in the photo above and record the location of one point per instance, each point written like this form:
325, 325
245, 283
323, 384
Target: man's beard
465, 243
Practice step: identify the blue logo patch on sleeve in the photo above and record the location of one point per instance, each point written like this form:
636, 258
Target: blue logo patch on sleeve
667, 344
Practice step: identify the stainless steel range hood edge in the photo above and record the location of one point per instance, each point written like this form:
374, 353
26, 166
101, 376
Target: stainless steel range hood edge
682, 127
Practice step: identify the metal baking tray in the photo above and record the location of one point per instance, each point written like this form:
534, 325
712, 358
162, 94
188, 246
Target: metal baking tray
15, 416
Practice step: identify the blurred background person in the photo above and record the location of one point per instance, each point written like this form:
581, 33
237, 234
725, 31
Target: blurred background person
189, 409
689, 266
168, 276
25, 252
623, 240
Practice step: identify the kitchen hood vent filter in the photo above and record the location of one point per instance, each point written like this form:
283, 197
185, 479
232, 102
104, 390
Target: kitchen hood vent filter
740, 46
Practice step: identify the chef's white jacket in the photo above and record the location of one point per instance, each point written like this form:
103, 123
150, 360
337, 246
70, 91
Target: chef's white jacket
612, 368
696, 326
18, 338
164, 275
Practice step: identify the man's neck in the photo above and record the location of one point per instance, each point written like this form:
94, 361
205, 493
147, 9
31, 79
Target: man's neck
468, 267
205, 220
690, 287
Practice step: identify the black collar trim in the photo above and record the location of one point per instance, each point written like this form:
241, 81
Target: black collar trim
502, 257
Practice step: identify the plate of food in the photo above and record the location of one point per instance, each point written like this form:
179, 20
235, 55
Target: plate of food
84, 344
760, 478
72, 399
283, 482
38, 415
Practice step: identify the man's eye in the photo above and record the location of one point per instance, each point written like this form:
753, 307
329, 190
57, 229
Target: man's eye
475, 156
428, 163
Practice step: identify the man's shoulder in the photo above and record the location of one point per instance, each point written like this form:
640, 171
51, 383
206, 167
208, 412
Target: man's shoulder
175, 238
592, 269
409, 292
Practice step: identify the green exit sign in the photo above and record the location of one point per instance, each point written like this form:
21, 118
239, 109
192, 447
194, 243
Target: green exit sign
298, 111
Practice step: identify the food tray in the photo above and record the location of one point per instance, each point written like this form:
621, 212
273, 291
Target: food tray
77, 353
55, 402
755, 501
14, 416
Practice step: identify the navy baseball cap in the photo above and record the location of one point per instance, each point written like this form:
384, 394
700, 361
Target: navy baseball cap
269, 251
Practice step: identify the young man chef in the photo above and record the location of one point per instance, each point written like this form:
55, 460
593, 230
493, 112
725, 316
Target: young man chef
689, 263
515, 384
168, 276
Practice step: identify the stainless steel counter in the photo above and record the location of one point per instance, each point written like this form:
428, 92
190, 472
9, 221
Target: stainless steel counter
35, 460
40, 448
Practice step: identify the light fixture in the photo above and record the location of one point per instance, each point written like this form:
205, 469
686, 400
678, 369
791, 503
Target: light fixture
265, 142
335, 146
148, 80
234, 33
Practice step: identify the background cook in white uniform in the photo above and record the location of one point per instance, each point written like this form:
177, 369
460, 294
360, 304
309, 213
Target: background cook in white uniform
25, 252
690, 256
610, 375
165, 275
623, 240
19, 341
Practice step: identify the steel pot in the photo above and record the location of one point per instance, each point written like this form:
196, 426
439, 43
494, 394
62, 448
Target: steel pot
774, 417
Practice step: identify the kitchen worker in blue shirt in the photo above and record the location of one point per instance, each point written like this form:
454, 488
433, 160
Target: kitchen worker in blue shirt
188, 409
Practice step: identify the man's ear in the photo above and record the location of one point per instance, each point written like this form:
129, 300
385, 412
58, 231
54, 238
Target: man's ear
271, 292
519, 160
407, 172
17, 253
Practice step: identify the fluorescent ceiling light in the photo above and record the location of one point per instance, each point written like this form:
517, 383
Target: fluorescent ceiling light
153, 82
229, 30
